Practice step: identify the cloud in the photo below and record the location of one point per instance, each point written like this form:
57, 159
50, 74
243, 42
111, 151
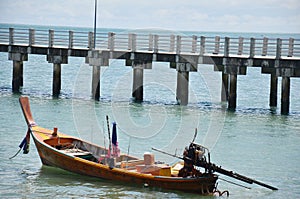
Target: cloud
213, 15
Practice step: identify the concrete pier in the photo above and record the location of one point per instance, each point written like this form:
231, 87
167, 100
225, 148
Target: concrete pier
95, 60
231, 56
285, 95
137, 84
224, 90
56, 83
273, 90
17, 80
18, 55
56, 58
21, 74
96, 83
182, 91
232, 92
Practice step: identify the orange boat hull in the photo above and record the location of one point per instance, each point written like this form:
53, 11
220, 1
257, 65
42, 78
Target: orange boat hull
78, 156
53, 157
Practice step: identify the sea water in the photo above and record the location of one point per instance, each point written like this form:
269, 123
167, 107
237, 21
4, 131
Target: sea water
255, 140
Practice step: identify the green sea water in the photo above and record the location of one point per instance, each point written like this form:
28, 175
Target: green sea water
255, 140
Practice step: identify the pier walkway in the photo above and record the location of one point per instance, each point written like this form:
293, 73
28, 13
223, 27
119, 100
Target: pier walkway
231, 56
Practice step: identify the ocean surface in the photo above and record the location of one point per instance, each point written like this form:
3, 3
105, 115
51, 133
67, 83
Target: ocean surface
255, 140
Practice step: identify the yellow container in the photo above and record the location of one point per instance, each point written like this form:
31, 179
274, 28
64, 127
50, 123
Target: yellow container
165, 171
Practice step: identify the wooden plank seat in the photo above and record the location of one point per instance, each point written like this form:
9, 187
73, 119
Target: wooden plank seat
76, 152
130, 164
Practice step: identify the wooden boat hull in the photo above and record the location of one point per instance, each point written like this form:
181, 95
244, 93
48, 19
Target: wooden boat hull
53, 157
79, 156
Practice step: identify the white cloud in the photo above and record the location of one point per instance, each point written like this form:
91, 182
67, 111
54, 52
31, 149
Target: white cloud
213, 15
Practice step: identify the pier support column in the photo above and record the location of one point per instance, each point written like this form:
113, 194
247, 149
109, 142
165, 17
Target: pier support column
273, 90
232, 92
182, 91
56, 83
21, 74
18, 56
224, 91
137, 86
95, 59
56, 58
285, 95
96, 83
17, 80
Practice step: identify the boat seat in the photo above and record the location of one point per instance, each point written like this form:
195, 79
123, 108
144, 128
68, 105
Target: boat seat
63, 146
76, 152
130, 163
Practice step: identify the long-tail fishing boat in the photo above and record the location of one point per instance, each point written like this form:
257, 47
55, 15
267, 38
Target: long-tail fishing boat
76, 155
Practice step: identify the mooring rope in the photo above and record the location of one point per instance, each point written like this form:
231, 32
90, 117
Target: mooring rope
15, 154
24, 144
234, 183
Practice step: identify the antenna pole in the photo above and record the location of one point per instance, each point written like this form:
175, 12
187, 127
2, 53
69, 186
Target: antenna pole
95, 24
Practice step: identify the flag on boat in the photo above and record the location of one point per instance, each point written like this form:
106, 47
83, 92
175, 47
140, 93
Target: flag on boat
25, 143
114, 140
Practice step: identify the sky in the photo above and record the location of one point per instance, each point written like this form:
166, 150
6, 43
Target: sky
272, 16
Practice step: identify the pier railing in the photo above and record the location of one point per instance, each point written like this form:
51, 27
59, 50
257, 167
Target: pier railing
155, 43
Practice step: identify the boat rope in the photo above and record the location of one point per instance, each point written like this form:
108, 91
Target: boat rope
15, 154
221, 193
234, 183
24, 144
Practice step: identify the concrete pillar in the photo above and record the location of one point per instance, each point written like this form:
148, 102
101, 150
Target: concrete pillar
11, 36
31, 37
132, 42
224, 91
182, 91
17, 54
194, 44
51, 38
111, 41
273, 90
252, 47
56, 84
202, 45
285, 95
172, 43
241, 45
96, 61
217, 45
137, 86
56, 59
71, 39
265, 47
178, 44
17, 80
151, 38
91, 41
278, 52
291, 47
232, 92
21, 73
156, 39
96, 83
